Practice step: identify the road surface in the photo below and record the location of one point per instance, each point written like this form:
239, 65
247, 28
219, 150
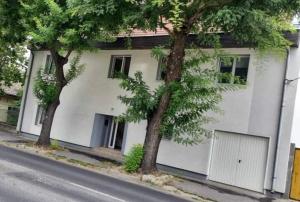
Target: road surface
29, 178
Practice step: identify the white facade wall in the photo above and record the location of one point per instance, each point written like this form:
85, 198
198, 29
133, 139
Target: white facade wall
295, 61
253, 110
286, 122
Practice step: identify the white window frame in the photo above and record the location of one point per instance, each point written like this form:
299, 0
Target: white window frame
51, 68
112, 64
40, 113
113, 134
235, 58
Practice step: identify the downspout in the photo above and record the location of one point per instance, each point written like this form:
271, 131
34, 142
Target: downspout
25, 94
280, 120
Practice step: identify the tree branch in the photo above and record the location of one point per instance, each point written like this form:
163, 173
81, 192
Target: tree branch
201, 8
163, 25
59, 62
68, 53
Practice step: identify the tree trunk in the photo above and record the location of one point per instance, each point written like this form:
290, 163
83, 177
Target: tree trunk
173, 73
61, 82
44, 138
153, 137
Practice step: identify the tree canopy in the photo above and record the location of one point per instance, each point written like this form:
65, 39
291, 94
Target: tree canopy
11, 27
12, 65
12, 51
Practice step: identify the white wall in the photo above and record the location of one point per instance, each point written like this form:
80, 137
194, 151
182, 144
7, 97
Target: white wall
92, 92
252, 110
296, 121
295, 62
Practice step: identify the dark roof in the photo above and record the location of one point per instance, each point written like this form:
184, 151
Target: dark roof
148, 42
13, 97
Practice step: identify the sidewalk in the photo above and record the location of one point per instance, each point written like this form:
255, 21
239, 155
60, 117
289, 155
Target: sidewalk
178, 186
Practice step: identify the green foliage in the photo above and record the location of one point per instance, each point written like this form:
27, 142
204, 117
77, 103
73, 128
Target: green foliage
70, 25
255, 22
11, 61
196, 94
11, 27
17, 103
64, 27
252, 25
75, 68
144, 101
134, 158
45, 88
192, 98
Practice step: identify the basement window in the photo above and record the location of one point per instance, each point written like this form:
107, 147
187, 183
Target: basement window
49, 66
119, 66
234, 69
40, 115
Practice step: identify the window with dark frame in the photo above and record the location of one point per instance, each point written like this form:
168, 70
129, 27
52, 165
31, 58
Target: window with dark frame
40, 115
234, 69
119, 65
161, 69
49, 66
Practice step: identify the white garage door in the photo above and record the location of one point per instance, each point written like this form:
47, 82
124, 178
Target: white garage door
239, 160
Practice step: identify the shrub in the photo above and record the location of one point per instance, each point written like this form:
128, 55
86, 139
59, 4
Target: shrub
134, 158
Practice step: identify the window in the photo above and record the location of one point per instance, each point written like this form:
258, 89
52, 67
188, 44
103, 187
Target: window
161, 70
234, 69
119, 65
49, 66
40, 115
167, 137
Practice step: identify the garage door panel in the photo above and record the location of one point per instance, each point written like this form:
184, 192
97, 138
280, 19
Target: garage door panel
239, 160
224, 145
252, 163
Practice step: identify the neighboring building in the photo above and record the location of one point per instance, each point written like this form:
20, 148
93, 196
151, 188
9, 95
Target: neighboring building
251, 144
8, 102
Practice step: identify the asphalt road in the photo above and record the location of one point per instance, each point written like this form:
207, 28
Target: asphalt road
29, 178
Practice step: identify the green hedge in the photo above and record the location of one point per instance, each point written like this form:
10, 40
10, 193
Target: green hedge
134, 158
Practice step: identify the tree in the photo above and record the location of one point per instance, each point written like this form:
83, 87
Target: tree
12, 65
56, 26
11, 27
12, 52
178, 107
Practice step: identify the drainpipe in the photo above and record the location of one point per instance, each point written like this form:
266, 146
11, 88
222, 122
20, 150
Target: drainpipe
25, 93
280, 121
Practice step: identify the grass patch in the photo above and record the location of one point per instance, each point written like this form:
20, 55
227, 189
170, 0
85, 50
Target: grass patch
55, 145
85, 164
59, 157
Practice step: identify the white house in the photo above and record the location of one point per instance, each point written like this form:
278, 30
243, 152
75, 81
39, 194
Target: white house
252, 138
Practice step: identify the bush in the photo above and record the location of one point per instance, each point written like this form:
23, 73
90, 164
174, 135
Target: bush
134, 158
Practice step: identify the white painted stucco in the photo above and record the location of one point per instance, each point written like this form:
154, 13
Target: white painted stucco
253, 110
295, 61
